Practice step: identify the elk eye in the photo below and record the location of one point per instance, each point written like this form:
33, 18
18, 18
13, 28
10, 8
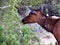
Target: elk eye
29, 15
34, 14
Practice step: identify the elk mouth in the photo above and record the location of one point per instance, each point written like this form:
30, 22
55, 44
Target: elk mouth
25, 22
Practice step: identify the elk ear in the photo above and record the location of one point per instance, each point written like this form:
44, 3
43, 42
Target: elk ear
34, 12
32, 9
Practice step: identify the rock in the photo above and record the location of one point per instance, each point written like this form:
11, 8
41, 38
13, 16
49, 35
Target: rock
45, 37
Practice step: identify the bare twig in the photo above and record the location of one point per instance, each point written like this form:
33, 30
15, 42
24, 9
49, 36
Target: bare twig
5, 7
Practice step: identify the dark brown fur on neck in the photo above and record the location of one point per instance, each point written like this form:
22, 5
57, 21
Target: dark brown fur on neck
48, 23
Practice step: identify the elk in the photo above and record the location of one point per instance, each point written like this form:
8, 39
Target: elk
50, 24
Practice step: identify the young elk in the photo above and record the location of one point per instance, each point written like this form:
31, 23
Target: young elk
50, 24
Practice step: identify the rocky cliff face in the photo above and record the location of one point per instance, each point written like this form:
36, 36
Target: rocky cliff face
46, 38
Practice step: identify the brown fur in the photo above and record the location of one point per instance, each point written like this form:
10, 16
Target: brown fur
50, 24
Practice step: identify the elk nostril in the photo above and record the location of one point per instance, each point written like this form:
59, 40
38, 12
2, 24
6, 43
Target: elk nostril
23, 20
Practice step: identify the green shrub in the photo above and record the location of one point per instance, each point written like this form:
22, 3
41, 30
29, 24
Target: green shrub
27, 34
9, 39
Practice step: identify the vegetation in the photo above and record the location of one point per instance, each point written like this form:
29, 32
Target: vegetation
10, 21
53, 4
7, 37
12, 31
